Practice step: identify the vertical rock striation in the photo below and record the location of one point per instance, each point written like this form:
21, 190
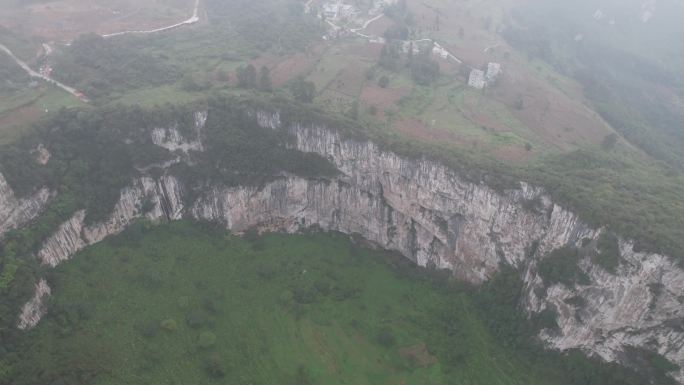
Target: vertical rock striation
171, 138
35, 309
163, 198
425, 211
15, 212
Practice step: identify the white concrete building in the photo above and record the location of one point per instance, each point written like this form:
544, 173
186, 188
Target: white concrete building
493, 71
477, 79
338, 10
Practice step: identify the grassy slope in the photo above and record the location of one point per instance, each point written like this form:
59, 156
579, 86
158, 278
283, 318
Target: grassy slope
242, 292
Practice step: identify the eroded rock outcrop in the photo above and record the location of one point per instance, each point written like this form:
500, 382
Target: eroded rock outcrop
146, 197
425, 211
640, 305
15, 212
35, 309
172, 139
41, 154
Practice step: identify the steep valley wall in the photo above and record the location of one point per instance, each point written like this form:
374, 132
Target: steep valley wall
426, 212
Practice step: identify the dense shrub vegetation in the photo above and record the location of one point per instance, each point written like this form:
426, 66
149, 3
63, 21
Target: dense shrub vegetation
608, 252
100, 66
105, 69
97, 152
239, 152
12, 77
631, 77
562, 266
498, 302
203, 306
277, 25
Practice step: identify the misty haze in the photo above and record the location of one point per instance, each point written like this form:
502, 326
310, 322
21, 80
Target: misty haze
328, 192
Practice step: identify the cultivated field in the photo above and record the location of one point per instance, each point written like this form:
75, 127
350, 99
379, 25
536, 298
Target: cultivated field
64, 20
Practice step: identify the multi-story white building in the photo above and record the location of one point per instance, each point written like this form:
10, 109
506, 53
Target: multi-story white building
477, 79
493, 71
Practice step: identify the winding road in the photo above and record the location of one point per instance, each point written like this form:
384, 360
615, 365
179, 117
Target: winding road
194, 18
35, 74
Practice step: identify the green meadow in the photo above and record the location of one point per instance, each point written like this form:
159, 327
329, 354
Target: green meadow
188, 303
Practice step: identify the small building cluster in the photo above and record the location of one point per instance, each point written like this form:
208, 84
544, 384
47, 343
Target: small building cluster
480, 79
338, 10
477, 79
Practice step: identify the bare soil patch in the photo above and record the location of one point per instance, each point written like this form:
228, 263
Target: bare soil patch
12, 122
418, 355
349, 81
287, 67
550, 113
382, 98
414, 128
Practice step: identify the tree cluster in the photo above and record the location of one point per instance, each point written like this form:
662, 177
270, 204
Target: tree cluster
248, 78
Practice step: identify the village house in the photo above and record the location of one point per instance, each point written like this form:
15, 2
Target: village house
493, 72
338, 10
477, 79
480, 79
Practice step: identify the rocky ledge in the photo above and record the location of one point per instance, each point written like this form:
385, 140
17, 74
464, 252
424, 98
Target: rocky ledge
429, 214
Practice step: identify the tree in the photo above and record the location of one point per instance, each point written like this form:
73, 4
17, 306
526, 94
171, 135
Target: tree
247, 77
609, 141
424, 70
302, 376
303, 90
194, 82
386, 338
265, 83
390, 56
396, 32
383, 81
354, 110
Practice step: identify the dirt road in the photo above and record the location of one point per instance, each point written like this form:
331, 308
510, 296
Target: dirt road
192, 20
35, 74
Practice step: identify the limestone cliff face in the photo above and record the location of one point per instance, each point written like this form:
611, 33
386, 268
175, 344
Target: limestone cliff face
172, 139
34, 309
641, 305
162, 197
15, 212
425, 211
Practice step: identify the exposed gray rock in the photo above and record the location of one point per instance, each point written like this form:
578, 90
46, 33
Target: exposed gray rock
171, 138
35, 309
640, 305
15, 212
163, 198
42, 154
425, 211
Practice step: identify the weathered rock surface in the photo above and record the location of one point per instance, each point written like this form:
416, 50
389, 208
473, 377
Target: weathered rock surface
35, 309
423, 210
162, 198
42, 154
172, 139
15, 212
